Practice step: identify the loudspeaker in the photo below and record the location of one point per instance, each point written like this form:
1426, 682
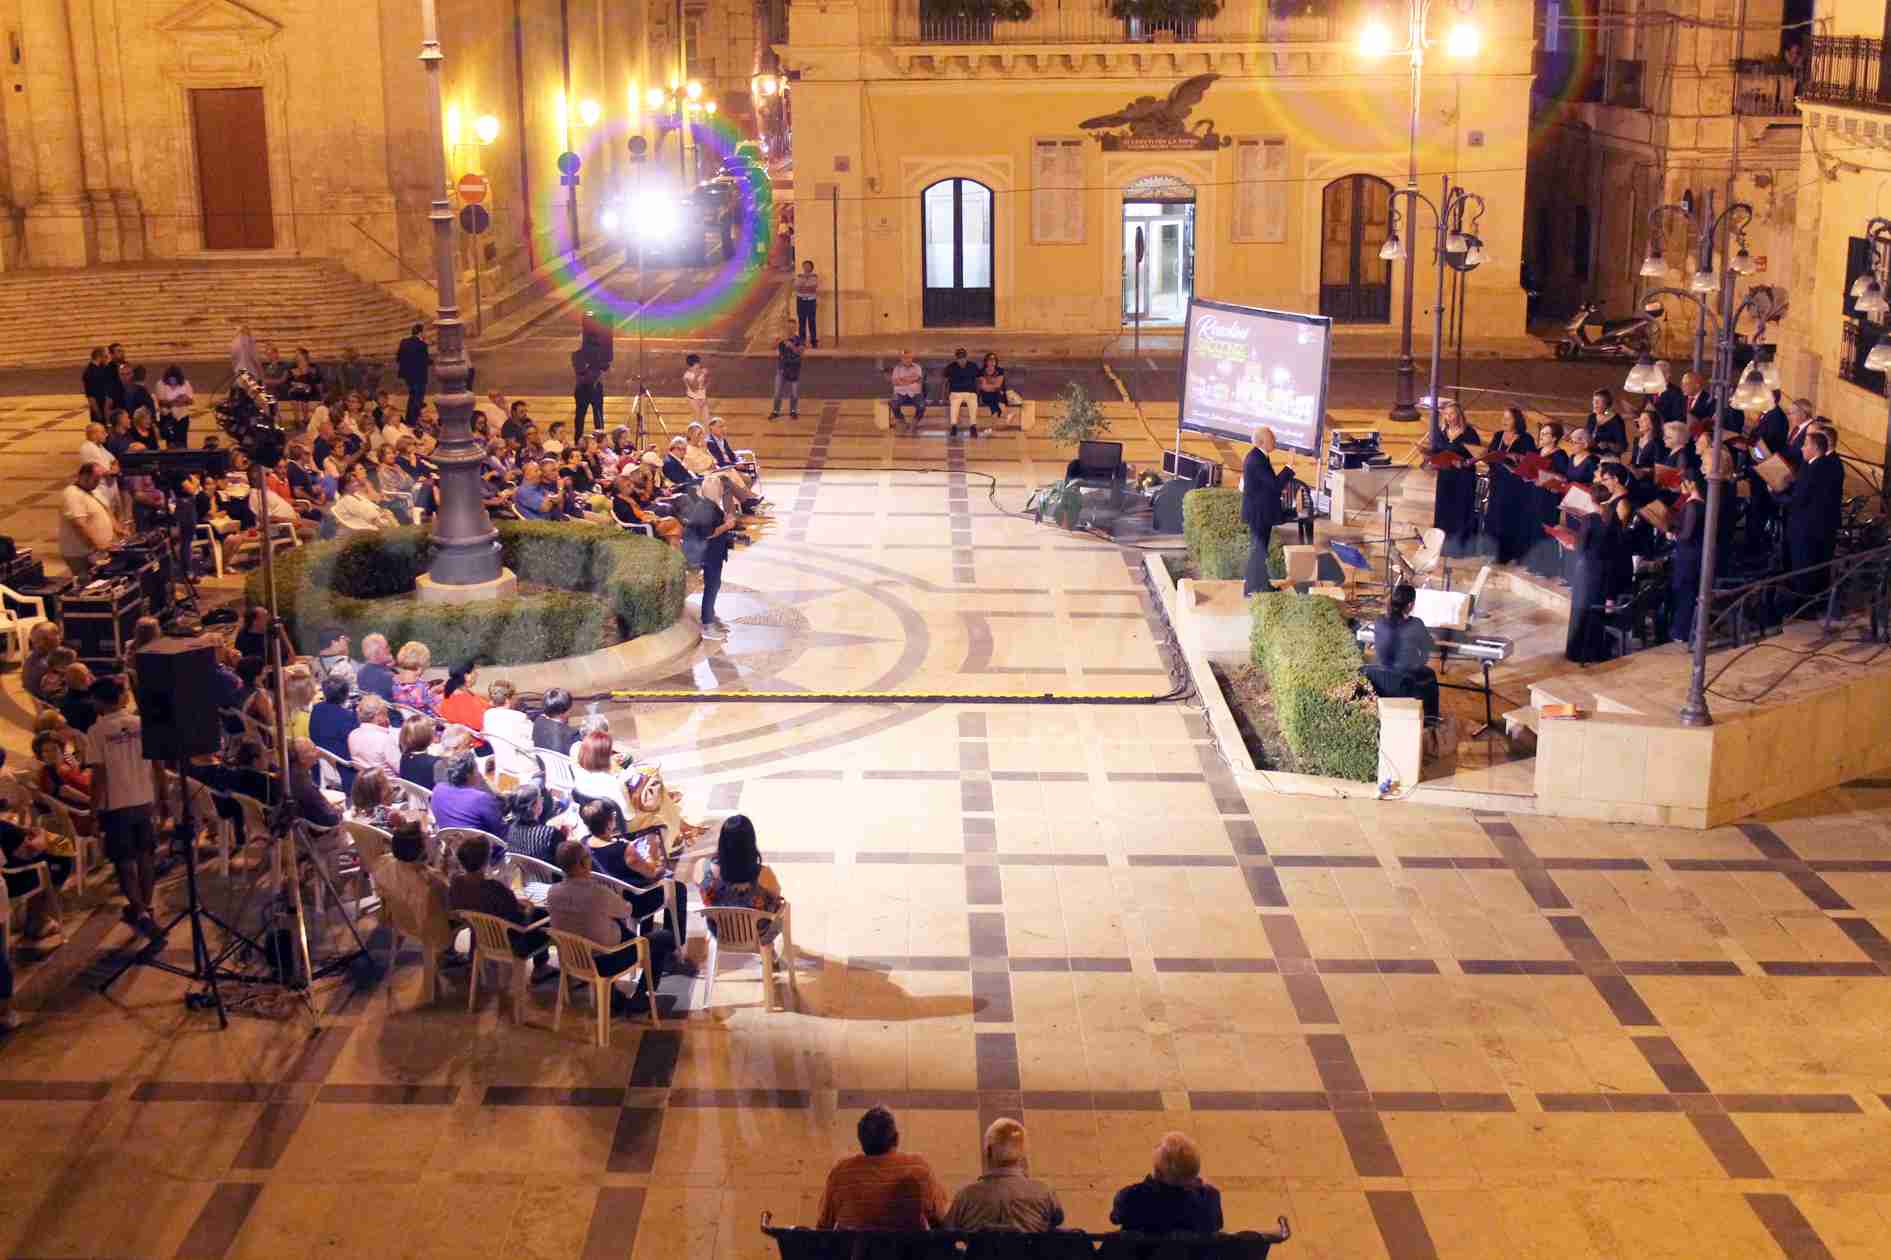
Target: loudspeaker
177, 699
1166, 512
1202, 472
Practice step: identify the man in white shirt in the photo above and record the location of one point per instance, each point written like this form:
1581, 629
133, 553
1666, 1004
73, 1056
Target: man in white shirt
356, 511
124, 792
85, 524
281, 511
513, 729
494, 408
374, 743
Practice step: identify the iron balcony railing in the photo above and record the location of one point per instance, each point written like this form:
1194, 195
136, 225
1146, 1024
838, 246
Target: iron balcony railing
904, 22
1848, 70
1854, 585
1763, 89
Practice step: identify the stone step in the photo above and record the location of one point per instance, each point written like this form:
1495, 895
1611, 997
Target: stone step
191, 310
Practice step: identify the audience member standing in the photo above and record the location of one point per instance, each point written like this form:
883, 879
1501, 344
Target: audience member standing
587, 389
696, 387
787, 377
124, 795
807, 291
413, 361
86, 525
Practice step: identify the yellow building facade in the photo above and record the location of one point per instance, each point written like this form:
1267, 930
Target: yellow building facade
967, 172
1845, 159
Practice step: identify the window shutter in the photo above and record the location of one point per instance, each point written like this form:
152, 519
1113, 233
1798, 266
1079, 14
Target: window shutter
1057, 191
1273, 199
1260, 202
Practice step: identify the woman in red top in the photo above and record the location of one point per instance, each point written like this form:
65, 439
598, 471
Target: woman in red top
461, 703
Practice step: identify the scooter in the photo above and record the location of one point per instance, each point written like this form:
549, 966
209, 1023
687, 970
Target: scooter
1621, 338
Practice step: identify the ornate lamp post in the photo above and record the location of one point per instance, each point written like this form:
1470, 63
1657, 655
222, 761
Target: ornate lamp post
466, 547
1454, 248
1375, 40
1751, 394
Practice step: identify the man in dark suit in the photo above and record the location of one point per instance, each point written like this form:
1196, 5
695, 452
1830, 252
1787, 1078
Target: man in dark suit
1771, 429
1799, 416
1261, 488
1698, 403
1670, 404
412, 360
1814, 502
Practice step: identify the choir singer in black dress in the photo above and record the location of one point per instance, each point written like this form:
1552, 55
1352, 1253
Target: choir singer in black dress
1684, 567
1511, 517
1596, 565
1454, 509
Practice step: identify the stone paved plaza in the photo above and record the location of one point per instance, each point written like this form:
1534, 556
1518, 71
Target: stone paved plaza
1414, 1032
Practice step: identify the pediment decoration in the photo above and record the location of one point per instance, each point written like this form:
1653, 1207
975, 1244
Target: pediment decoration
218, 39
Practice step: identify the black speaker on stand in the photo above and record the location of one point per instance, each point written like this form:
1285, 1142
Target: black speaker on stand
177, 690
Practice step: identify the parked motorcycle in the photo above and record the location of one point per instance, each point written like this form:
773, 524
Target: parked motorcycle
1616, 338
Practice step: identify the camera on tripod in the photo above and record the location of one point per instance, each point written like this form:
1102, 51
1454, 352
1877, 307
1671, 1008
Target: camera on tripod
248, 415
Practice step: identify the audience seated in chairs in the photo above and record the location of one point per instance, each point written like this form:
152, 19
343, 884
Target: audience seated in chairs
418, 765
377, 800
309, 799
737, 877
882, 1187
479, 887
411, 691
1005, 1196
22, 848
1172, 1199
585, 907
465, 799
41, 642
404, 877
529, 830
503, 716
594, 773
376, 674
550, 730
331, 720
374, 742
459, 702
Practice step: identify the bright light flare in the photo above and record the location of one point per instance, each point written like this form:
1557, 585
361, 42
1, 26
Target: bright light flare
1464, 40
589, 113
486, 128
1375, 39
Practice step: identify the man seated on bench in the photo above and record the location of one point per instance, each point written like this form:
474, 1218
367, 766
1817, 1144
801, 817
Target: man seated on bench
1173, 1199
882, 1187
909, 389
1401, 646
1005, 1196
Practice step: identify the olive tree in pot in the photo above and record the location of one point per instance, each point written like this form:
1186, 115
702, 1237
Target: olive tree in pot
1079, 420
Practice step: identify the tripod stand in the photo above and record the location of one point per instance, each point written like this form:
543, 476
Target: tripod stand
641, 394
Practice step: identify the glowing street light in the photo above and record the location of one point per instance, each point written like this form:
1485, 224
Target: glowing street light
1375, 40
588, 113
1654, 266
1463, 40
655, 98
486, 127
693, 90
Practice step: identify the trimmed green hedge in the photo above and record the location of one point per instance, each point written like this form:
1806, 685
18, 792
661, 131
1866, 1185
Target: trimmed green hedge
1217, 540
1327, 710
609, 580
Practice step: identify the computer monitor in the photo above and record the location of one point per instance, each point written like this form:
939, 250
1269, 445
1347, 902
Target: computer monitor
1100, 460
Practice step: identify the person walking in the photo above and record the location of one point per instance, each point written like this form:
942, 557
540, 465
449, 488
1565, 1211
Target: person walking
706, 544
696, 387
587, 390
787, 377
413, 361
807, 288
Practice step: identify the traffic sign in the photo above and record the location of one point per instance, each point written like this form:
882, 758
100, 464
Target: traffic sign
638, 146
474, 219
472, 189
568, 163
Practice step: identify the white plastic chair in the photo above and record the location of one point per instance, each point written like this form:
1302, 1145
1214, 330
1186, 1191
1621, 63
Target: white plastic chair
212, 543
255, 827
416, 795
530, 870
18, 625
1477, 588
88, 851
42, 887
1425, 561
510, 758
561, 776
577, 960
738, 930
203, 811
492, 942
628, 890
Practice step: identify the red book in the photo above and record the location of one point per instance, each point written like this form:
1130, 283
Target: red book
1667, 478
1531, 466
1445, 460
1567, 537
1554, 484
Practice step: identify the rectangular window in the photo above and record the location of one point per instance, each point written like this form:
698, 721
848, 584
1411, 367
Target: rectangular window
1260, 200
1057, 191
1579, 243
1858, 262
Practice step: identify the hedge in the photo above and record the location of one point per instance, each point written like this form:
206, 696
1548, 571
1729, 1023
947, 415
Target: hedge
1326, 709
1216, 538
364, 584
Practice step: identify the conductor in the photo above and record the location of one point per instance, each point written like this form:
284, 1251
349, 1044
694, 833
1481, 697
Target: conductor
1261, 489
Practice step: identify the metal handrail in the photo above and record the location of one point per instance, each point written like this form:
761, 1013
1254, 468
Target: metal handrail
1755, 605
1847, 70
398, 260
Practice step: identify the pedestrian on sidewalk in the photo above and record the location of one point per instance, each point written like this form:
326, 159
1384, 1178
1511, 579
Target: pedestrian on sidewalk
587, 390
787, 377
413, 361
961, 376
696, 387
807, 287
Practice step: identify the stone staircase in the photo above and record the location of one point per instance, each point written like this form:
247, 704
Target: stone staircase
188, 311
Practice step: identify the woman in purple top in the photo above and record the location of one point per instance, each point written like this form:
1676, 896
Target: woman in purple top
464, 800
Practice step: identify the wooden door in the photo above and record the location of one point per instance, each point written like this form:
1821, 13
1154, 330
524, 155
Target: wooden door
233, 168
1355, 283
956, 225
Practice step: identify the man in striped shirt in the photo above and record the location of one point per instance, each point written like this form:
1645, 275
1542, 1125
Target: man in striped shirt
881, 1188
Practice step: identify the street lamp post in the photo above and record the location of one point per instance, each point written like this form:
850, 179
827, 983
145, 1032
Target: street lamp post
1375, 40
1655, 265
1751, 394
1452, 247
466, 547
1868, 295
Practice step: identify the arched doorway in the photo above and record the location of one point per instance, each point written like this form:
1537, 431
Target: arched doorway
1157, 287
1355, 283
956, 254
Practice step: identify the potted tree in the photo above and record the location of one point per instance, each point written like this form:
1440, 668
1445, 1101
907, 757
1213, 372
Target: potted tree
1079, 420
967, 21
1163, 20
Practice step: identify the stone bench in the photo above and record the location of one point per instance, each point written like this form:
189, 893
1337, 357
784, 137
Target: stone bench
1024, 413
